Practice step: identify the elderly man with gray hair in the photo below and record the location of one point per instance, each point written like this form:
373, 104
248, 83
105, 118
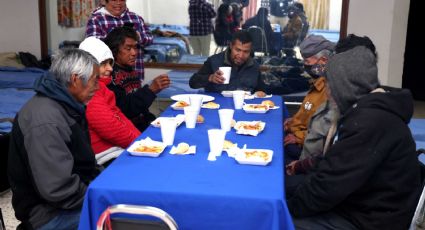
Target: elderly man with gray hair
315, 50
51, 162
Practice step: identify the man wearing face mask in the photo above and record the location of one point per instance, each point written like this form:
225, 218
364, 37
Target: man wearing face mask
315, 50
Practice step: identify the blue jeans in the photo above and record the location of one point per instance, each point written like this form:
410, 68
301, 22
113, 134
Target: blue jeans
66, 220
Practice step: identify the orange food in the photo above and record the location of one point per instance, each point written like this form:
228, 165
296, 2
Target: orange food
200, 119
148, 149
255, 126
182, 104
258, 106
255, 153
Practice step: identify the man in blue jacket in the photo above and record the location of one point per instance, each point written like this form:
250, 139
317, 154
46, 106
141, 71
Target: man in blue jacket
51, 162
245, 74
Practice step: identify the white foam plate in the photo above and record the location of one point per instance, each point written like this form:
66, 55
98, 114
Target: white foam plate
249, 108
146, 142
157, 122
254, 156
185, 97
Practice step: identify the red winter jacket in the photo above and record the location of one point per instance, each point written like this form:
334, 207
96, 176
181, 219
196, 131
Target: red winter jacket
108, 126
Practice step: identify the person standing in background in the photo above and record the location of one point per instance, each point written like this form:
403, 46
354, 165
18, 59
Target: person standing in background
279, 12
201, 13
115, 14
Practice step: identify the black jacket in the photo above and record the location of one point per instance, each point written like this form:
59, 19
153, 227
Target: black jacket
371, 173
50, 160
133, 100
245, 77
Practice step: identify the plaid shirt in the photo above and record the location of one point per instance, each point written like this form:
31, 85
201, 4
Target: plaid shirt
101, 23
201, 13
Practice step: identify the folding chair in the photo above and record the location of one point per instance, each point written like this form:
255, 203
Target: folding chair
165, 220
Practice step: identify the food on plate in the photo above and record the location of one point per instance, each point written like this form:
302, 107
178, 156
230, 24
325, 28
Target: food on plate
181, 104
228, 144
148, 149
269, 103
260, 94
210, 105
182, 148
256, 153
233, 123
200, 119
252, 126
257, 107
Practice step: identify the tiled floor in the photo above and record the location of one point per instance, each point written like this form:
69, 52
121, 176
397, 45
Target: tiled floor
5, 199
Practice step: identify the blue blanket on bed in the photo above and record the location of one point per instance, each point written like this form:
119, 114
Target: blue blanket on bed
11, 101
11, 77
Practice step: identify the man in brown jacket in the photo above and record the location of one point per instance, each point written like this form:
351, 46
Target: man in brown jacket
315, 50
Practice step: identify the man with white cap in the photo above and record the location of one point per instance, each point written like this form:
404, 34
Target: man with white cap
370, 177
315, 50
110, 130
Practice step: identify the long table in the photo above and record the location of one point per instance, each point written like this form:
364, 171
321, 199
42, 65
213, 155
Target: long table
197, 193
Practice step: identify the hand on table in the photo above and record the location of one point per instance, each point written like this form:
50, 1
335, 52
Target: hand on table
159, 83
216, 77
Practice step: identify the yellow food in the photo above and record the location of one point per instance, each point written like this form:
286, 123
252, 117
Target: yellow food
233, 123
256, 126
181, 104
182, 148
268, 103
200, 119
210, 105
228, 144
148, 149
261, 154
258, 106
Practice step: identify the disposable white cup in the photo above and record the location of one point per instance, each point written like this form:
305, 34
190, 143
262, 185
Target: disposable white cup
238, 98
226, 116
195, 101
226, 73
216, 140
168, 130
190, 115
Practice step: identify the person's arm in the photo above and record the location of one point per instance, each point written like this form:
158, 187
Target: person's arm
146, 37
200, 78
94, 28
209, 10
51, 166
109, 125
135, 103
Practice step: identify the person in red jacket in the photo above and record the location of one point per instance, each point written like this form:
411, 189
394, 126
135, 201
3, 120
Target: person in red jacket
110, 130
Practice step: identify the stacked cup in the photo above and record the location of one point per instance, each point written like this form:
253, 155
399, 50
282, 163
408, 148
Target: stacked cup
191, 112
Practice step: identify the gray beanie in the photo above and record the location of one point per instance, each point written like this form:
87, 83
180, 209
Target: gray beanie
351, 75
313, 44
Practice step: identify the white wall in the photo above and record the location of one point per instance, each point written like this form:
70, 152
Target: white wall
385, 22
60, 33
20, 27
174, 12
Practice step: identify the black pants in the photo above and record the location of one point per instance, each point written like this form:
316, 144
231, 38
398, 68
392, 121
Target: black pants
4, 151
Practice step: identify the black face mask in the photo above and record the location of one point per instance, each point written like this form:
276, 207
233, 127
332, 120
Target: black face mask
315, 71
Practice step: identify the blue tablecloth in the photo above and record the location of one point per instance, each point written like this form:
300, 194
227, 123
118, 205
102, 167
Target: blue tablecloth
197, 193
179, 84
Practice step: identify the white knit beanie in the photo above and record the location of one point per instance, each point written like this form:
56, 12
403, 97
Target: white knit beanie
97, 48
